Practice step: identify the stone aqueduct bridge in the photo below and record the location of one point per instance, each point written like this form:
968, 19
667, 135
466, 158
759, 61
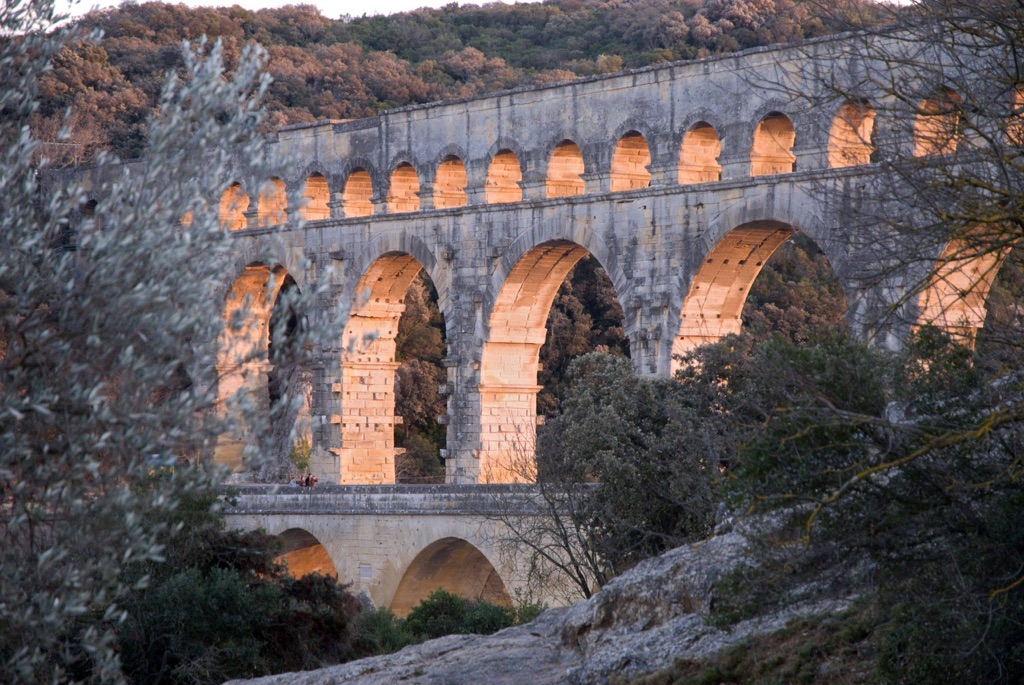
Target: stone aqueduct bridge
394, 544
681, 180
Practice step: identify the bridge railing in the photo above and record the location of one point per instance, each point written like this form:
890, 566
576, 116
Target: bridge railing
483, 500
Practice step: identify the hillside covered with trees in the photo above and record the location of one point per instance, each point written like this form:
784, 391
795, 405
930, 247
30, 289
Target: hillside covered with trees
355, 67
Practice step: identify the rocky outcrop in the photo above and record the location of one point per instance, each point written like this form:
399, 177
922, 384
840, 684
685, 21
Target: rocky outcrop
638, 623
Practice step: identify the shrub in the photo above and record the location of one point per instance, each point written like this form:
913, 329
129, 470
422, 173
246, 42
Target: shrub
443, 613
379, 631
527, 612
300, 453
222, 607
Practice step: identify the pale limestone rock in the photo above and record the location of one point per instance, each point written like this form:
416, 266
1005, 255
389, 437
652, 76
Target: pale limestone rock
640, 622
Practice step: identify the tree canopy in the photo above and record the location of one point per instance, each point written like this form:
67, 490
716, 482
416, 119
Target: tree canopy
353, 67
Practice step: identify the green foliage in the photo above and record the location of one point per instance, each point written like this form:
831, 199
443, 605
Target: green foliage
443, 613
420, 347
998, 346
805, 417
106, 348
625, 435
828, 649
420, 463
379, 631
222, 607
529, 611
96, 374
196, 627
300, 453
585, 317
901, 469
797, 295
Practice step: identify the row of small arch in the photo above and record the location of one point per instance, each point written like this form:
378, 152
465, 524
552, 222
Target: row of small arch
698, 163
771, 152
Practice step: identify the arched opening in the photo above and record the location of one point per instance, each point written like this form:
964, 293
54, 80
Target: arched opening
503, 177
303, 554
767, 276
957, 291
243, 359
90, 220
565, 170
403, 193
585, 316
315, 197
849, 141
450, 183
273, 203
234, 202
937, 124
454, 565
1015, 123
369, 364
998, 345
772, 151
698, 155
509, 386
420, 349
630, 160
355, 198
281, 353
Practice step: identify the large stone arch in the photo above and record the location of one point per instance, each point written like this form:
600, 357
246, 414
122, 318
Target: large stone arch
452, 564
575, 229
263, 249
955, 294
243, 361
367, 420
390, 242
303, 554
516, 310
714, 297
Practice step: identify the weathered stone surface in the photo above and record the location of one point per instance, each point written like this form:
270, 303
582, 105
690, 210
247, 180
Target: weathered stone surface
640, 622
524, 654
